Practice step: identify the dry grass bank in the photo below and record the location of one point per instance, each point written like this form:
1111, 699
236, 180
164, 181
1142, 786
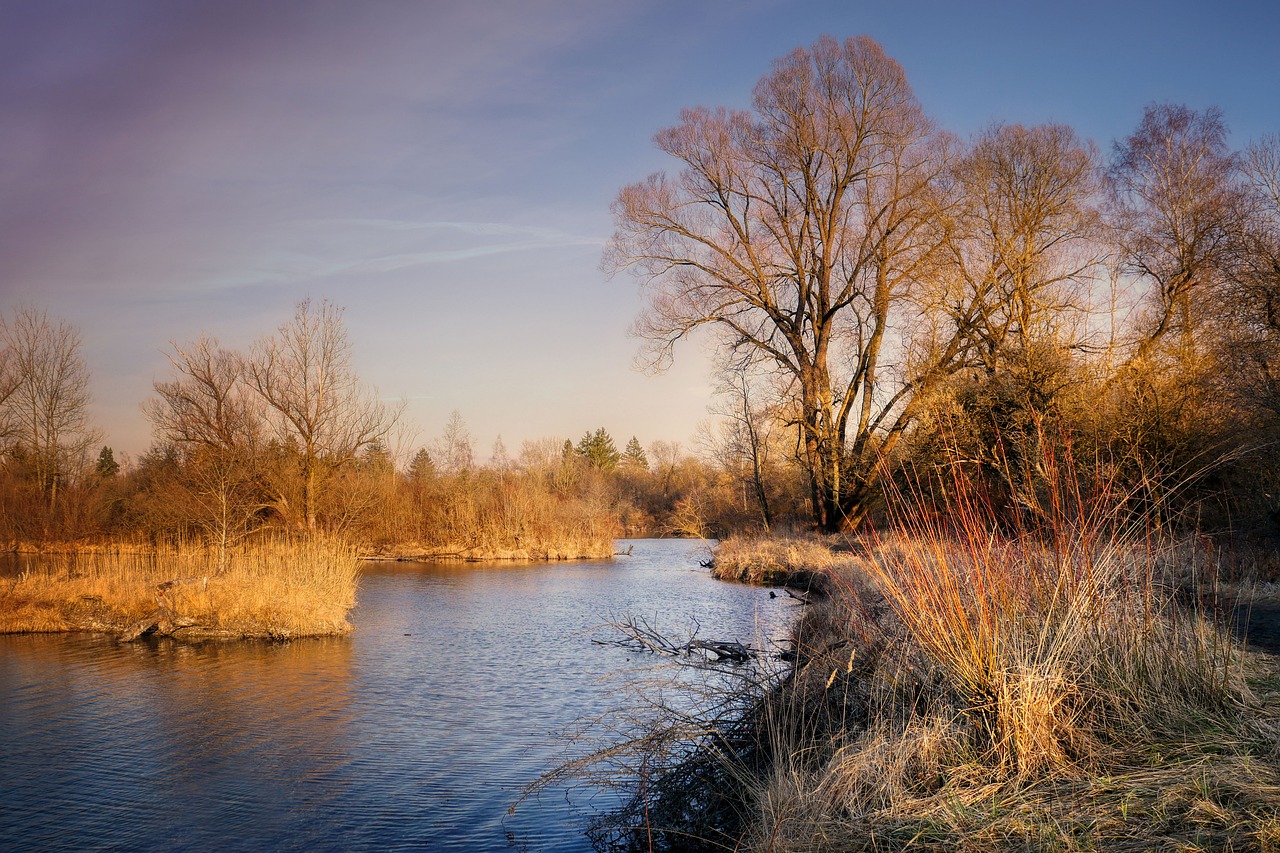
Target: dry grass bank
962, 688
270, 589
781, 561
1007, 695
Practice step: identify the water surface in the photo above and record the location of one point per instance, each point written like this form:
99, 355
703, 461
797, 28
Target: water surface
417, 732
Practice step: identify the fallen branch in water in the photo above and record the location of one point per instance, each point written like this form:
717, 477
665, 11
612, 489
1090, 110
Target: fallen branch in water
638, 634
157, 622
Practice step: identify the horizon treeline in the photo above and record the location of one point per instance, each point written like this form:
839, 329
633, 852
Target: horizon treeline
285, 438
889, 302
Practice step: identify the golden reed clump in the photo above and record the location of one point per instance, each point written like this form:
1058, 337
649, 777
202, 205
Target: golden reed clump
776, 561
269, 588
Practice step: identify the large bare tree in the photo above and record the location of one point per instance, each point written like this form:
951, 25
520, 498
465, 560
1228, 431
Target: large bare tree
810, 233
47, 405
1253, 339
1022, 251
304, 375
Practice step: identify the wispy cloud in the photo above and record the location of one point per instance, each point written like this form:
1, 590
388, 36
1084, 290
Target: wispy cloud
359, 248
533, 233
388, 263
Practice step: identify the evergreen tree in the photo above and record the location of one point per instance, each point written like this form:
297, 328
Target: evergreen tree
107, 466
376, 459
422, 467
599, 450
634, 456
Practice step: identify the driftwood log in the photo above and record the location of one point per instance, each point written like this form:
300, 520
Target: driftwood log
164, 620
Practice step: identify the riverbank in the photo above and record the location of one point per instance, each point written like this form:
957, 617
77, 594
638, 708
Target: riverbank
803, 562
959, 690
264, 589
269, 589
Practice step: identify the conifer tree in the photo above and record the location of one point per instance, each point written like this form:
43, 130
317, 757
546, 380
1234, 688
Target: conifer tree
598, 449
422, 467
107, 466
634, 455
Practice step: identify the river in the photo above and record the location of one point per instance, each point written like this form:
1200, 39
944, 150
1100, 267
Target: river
416, 732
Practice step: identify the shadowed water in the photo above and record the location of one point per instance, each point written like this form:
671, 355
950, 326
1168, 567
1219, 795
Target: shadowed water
416, 732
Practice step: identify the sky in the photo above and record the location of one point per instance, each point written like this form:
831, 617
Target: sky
444, 170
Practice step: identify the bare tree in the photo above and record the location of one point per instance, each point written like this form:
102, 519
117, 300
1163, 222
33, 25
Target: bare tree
665, 458
304, 376
541, 456
47, 404
9, 380
1262, 165
1261, 251
454, 449
208, 403
1176, 206
744, 439
216, 420
1249, 335
1023, 241
1022, 252
803, 231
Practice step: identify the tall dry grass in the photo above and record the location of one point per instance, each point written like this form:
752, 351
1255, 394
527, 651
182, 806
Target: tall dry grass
486, 515
268, 588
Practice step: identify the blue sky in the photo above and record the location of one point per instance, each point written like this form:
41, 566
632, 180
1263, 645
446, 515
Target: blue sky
444, 170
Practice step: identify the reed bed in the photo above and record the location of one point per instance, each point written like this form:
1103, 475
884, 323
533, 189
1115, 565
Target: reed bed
496, 515
269, 588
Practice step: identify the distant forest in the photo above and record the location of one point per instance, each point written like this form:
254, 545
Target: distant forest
285, 438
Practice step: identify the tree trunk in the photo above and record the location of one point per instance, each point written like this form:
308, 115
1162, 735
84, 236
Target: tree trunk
309, 494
